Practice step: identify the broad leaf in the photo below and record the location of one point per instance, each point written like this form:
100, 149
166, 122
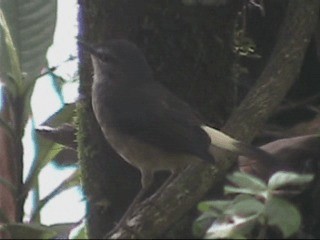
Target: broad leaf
47, 150
28, 28
63, 229
235, 190
28, 231
283, 215
244, 180
46, 157
217, 206
13, 69
32, 24
81, 234
63, 115
246, 207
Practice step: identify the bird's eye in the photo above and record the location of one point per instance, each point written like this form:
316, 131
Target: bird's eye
104, 57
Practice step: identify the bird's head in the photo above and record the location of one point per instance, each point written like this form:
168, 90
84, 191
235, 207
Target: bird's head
118, 62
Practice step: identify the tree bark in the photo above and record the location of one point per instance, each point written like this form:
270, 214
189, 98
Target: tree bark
279, 74
190, 51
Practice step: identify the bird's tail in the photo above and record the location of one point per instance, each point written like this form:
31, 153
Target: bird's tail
223, 141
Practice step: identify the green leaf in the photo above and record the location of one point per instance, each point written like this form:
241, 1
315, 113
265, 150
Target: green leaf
32, 25
82, 234
247, 181
217, 206
284, 179
47, 155
13, 58
233, 218
246, 207
63, 115
63, 229
235, 190
47, 150
283, 215
28, 231
202, 223
205, 216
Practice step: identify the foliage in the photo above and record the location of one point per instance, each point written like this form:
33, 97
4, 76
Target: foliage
26, 57
257, 208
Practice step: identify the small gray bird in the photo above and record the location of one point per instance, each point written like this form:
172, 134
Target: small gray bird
146, 124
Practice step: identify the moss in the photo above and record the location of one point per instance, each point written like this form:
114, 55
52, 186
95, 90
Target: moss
189, 49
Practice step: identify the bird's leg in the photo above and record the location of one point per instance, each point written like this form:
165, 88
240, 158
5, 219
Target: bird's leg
146, 181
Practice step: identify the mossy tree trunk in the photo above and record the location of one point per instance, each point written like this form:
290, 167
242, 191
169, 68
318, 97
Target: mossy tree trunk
190, 50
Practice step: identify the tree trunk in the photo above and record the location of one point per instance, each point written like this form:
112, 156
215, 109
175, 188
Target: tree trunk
189, 48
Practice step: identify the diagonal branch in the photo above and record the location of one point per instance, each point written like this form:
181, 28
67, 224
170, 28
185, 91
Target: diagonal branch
279, 74
153, 218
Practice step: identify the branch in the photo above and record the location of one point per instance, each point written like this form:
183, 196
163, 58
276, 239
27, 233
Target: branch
279, 74
154, 217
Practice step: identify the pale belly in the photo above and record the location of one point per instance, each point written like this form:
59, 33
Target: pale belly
145, 156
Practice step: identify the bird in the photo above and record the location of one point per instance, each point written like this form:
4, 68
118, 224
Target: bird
145, 123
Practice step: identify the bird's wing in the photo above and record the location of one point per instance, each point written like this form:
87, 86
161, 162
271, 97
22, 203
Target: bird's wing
155, 116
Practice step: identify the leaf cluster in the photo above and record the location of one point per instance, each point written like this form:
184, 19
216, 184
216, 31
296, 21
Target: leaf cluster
257, 210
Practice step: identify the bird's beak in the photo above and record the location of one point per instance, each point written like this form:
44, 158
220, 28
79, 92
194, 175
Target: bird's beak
87, 47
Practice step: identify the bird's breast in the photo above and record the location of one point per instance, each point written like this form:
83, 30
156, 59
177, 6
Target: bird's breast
142, 155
